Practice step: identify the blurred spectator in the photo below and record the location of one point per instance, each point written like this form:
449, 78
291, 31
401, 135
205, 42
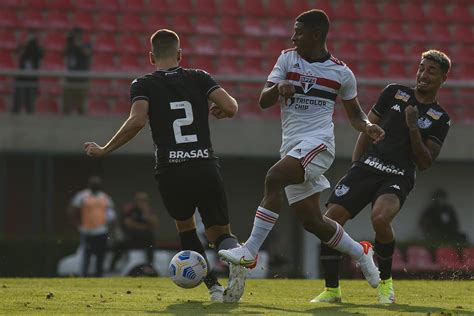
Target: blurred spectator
92, 210
139, 222
77, 56
26, 87
439, 222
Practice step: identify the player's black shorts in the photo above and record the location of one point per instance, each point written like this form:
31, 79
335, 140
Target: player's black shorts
360, 187
191, 185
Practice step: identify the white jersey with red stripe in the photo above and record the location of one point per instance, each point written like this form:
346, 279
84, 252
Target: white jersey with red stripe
309, 112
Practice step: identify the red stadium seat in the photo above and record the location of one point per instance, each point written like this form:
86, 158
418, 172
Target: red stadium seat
105, 43
205, 63
419, 259
83, 20
391, 11
64, 5
139, 6
372, 70
8, 19
155, 22
414, 52
205, 7
394, 31
130, 43
131, 63
106, 22
396, 70
8, 40
53, 61
132, 22
369, 10
12, 4
274, 47
254, 8
206, 25
103, 61
298, 6
252, 26
395, 51
370, 31
344, 30
36, 4
278, 9
228, 46
57, 20
229, 7
252, 47
50, 86
437, 13
344, 11
372, 52
32, 19
253, 66
107, 5
323, 5
413, 11
230, 26
461, 33
182, 24
98, 107
89, 5
441, 33
279, 28
228, 66
347, 51
464, 54
47, 105
101, 87
461, 13
54, 41
468, 258
204, 46
448, 259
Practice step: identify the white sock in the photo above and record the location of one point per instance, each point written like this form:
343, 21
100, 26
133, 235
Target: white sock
342, 242
262, 225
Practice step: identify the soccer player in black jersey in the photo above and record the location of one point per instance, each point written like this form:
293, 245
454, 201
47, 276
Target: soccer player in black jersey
384, 173
175, 102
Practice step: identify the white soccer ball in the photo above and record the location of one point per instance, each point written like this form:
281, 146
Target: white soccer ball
188, 269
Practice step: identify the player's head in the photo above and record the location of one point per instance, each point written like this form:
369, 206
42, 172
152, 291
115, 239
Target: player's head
432, 70
94, 183
311, 29
164, 45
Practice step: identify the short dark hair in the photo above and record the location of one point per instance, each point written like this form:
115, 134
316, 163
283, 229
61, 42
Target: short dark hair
164, 43
439, 57
315, 19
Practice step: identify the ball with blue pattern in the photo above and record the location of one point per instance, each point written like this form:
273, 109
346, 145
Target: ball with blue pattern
188, 269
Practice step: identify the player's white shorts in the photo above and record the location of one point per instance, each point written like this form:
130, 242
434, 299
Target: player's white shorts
316, 157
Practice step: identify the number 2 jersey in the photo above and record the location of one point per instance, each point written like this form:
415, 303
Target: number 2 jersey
317, 84
178, 113
393, 155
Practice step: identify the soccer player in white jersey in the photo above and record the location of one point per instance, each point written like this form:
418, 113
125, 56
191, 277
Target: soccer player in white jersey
307, 80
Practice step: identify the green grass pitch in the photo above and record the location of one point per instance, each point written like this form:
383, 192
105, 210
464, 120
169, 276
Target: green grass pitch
145, 296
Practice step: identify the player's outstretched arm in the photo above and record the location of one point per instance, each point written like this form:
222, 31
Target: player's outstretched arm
363, 140
424, 152
360, 121
130, 128
224, 105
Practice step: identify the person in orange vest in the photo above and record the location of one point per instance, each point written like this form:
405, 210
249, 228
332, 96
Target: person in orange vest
93, 211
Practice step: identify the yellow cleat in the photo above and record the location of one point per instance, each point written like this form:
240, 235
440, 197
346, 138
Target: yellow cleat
385, 292
329, 295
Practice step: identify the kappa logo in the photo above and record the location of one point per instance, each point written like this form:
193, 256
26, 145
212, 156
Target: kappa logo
396, 107
395, 186
307, 82
341, 190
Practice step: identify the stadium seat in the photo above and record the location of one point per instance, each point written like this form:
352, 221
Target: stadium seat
391, 11
130, 43
182, 24
252, 26
437, 13
12, 4
274, 47
252, 47
103, 61
277, 27
414, 51
468, 258
253, 66
88, 5
181, 7
8, 40
448, 259
464, 54
54, 41
205, 8
204, 45
98, 107
230, 26
323, 5
277, 9
132, 22
228, 66
229, 7
57, 20
418, 32
345, 11
462, 33
137, 6
206, 63
101, 87
370, 31
372, 70
441, 33
107, 5
344, 30
47, 105
393, 31
228, 46
420, 259
347, 51
253, 8
413, 12
8, 19
369, 10
155, 22
395, 51
32, 19
131, 63
64, 5
83, 20
298, 6
104, 43
37, 4
461, 13
206, 25
396, 70
372, 52
106, 22
53, 61
50, 86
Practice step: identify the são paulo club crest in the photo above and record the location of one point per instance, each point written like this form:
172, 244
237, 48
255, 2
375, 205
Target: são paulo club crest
307, 82
341, 189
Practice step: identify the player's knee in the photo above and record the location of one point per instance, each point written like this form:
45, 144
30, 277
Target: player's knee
380, 221
338, 214
274, 178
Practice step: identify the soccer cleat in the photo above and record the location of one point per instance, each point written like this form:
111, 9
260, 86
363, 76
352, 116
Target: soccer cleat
240, 256
329, 295
367, 265
385, 292
236, 284
217, 292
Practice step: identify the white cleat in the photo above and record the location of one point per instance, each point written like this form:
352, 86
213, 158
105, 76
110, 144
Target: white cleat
367, 265
236, 284
217, 293
239, 256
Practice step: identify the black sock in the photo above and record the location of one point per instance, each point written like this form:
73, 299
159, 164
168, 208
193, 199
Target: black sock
330, 261
190, 241
226, 241
384, 253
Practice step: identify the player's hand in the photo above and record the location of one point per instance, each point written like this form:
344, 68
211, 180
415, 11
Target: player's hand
375, 132
94, 150
217, 112
411, 116
286, 89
